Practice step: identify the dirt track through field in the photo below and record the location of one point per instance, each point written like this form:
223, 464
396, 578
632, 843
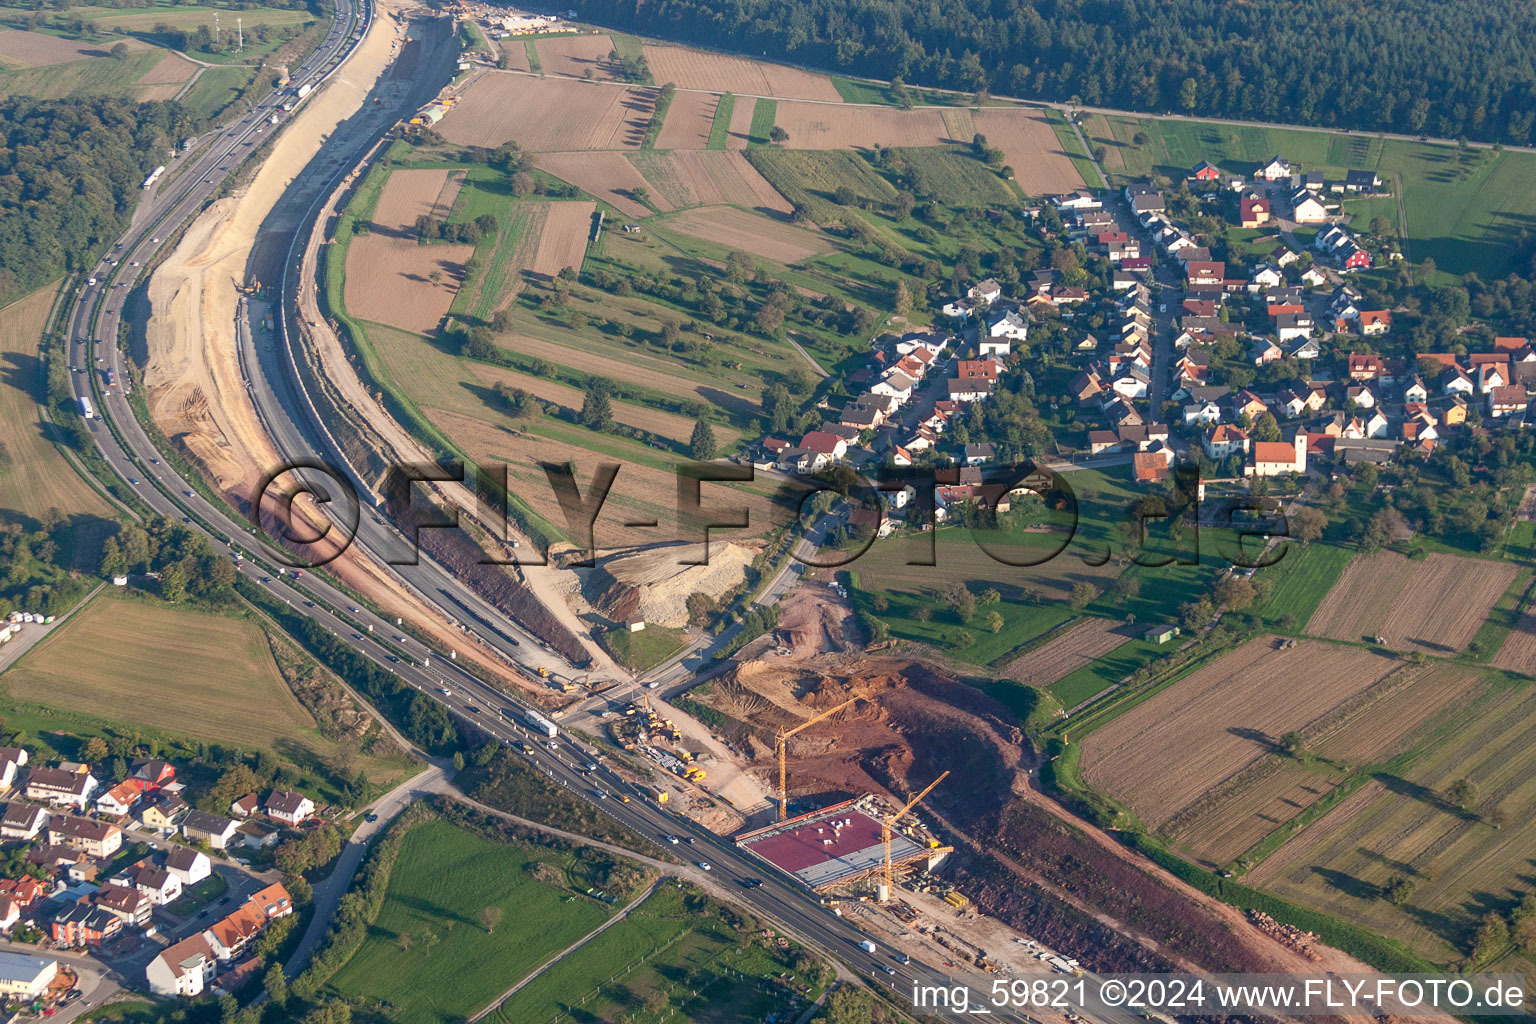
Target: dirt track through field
1435, 605
689, 120
607, 176
697, 178
749, 232
719, 72
1161, 755
1083, 643
546, 115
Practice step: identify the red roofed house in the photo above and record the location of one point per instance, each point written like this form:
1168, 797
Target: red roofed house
1152, 466
148, 776
1206, 272
1363, 366
969, 368
823, 443
1375, 321
1358, 259
1508, 401
1206, 171
1253, 211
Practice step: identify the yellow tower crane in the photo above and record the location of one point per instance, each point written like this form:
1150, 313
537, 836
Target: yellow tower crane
885, 832
784, 736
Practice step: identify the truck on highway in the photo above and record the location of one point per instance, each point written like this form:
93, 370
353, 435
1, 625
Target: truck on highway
541, 724
867, 946
154, 176
85, 408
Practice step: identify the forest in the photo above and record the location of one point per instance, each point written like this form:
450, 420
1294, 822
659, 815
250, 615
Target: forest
70, 172
1419, 66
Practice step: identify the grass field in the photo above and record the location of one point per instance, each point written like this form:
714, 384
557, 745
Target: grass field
216, 88
1461, 208
1074, 149
428, 958
1105, 671
1300, 580
762, 120
642, 651
671, 954
34, 477
956, 176
184, 672
721, 126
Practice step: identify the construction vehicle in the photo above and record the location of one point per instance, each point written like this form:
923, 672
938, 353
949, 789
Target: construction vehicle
543, 672
884, 891
782, 743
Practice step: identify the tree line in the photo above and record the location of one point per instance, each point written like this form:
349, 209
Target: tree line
1450, 69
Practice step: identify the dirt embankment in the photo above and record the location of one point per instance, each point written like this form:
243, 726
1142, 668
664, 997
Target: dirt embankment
1019, 855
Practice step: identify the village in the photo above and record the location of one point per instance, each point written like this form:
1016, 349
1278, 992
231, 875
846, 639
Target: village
1255, 366
148, 887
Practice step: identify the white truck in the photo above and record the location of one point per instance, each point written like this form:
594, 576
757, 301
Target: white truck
868, 947
85, 407
541, 724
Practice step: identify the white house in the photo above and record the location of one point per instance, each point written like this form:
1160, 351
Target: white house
1276, 458
1377, 425
60, 788
1225, 439
988, 291
1308, 209
1203, 413
897, 385
1009, 325
20, 820
184, 969
1265, 277
118, 801
295, 808
190, 866
158, 884
24, 978
212, 829
1131, 384
1275, 170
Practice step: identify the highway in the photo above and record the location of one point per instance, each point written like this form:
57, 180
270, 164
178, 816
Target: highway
93, 324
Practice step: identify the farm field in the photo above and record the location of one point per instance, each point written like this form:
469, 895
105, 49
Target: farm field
34, 477
429, 959
1107, 670
1029, 144
562, 239
19, 48
105, 76
397, 282
958, 176
576, 56
216, 88
1376, 725
501, 107
697, 178
719, 72
409, 194
184, 672
1161, 755
1300, 581
749, 232
1518, 651
1460, 207
739, 131
188, 18
673, 427
608, 177
165, 79
1435, 605
668, 938
1461, 861
689, 121
1090, 639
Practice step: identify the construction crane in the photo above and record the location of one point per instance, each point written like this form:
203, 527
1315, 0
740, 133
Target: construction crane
885, 835
782, 743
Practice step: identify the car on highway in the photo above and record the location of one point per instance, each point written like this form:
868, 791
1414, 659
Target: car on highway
134, 481
354, 609
445, 691
133, 263
671, 839
705, 865
887, 968
358, 636
689, 840
601, 794
399, 639
751, 883
902, 958
471, 709
372, 817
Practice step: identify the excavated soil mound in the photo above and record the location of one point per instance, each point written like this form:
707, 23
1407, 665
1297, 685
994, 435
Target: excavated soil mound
654, 583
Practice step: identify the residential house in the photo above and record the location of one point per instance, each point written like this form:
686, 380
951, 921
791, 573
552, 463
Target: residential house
1363, 366
1224, 439
1307, 208
1313, 277
1203, 414
20, 820
1102, 441
1282, 256
163, 813
1375, 321
1362, 181
97, 839
149, 775
1248, 404
1292, 326
1082, 199
213, 830
1352, 257
118, 801
979, 454
895, 385
969, 389
85, 924
294, 808
1252, 211
1265, 351
1377, 425
1206, 171
1150, 467
1506, 401
1306, 348
184, 969
10, 914
1133, 383
1205, 272
959, 308
1266, 276
153, 881
988, 291
1416, 391
59, 788
1361, 395
1458, 382
125, 902
191, 866
1490, 376
1009, 325
1276, 458
1275, 169
1290, 404
24, 978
